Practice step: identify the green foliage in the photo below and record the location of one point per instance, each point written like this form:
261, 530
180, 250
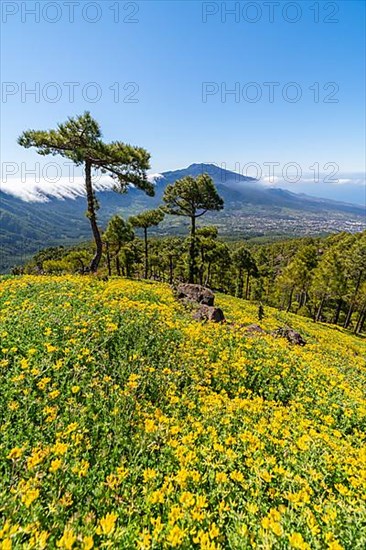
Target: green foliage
192, 197
147, 219
126, 424
244, 262
80, 139
118, 232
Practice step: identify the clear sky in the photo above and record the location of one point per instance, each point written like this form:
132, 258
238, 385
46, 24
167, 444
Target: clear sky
168, 51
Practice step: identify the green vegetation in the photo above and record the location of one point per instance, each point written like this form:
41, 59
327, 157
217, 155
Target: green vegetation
126, 424
322, 278
145, 220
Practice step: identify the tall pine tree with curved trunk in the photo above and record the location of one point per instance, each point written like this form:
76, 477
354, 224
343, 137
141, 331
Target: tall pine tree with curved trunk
79, 139
192, 197
145, 220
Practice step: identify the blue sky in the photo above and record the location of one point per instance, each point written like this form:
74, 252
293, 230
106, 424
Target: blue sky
172, 49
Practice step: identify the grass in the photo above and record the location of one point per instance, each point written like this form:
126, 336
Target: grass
125, 424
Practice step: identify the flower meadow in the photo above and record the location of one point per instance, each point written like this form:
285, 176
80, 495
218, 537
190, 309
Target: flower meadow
126, 424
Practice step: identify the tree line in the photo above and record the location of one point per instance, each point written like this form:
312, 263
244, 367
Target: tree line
322, 278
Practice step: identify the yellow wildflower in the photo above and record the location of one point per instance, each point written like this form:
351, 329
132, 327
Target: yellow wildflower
145, 540
55, 465
88, 543
175, 536
149, 474
296, 541
221, 477
30, 496
213, 531
107, 524
15, 453
150, 426
67, 540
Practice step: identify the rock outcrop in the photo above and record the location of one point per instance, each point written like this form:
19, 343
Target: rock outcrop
201, 300
195, 293
254, 329
209, 313
291, 335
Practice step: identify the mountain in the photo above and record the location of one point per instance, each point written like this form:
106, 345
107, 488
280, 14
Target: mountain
251, 208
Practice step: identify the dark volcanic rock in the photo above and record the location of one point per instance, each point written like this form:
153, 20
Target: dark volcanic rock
209, 313
195, 293
254, 329
291, 335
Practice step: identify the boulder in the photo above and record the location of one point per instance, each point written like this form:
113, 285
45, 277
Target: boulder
254, 329
209, 313
291, 335
195, 293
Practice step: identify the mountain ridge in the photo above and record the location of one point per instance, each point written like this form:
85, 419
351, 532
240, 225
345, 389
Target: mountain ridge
251, 208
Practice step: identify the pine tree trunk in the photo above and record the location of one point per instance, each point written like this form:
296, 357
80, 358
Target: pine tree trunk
108, 260
146, 267
91, 214
192, 251
170, 270
118, 266
290, 300
202, 266
360, 321
247, 287
320, 309
338, 311
207, 282
300, 299
239, 284
353, 302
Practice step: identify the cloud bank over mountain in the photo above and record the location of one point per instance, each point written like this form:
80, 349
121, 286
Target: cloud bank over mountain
61, 188
347, 187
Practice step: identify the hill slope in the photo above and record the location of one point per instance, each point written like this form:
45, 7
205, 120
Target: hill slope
128, 424
250, 209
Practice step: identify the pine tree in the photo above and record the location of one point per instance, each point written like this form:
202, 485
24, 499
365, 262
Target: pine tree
145, 220
79, 139
192, 197
206, 241
356, 272
244, 263
117, 234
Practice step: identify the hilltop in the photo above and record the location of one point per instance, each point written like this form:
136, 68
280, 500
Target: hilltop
128, 424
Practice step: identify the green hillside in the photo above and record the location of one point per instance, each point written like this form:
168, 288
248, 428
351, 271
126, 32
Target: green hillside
126, 424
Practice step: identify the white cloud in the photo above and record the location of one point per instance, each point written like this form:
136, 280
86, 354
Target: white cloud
42, 191
61, 188
153, 177
271, 180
